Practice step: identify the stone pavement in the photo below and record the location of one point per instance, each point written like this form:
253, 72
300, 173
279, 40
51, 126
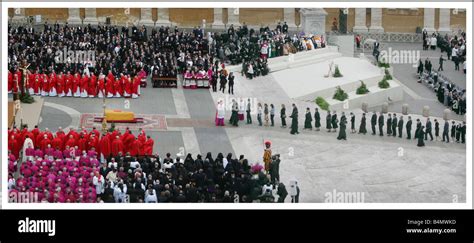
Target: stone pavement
419, 95
386, 169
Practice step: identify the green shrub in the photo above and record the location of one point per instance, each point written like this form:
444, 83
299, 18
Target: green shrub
362, 89
337, 72
388, 76
383, 84
26, 98
340, 94
322, 103
384, 65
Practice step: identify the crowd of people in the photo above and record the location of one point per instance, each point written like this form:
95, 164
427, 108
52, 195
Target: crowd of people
252, 49
394, 124
85, 167
85, 52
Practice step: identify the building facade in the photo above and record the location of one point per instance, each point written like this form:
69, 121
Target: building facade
399, 20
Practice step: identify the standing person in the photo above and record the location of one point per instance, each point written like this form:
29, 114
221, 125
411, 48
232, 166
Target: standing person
265, 113
357, 39
389, 125
453, 131
214, 82
428, 129
249, 117
441, 60
436, 129
272, 115
334, 121
275, 169
234, 119
308, 120
353, 130
294, 120
418, 127
283, 115
408, 127
458, 132
381, 123
223, 81
295, 193
362, 127
446, 131
259, 113
421, 142
463, 132
342, 129
317, 119
394, 125
220, 113
328, 121
267, 156
400, 127
231, 83
241, 110
373, 122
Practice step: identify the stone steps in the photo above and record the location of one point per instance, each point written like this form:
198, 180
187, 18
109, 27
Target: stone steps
299, 59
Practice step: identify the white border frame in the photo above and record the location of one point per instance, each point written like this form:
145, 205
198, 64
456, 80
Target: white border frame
465, 5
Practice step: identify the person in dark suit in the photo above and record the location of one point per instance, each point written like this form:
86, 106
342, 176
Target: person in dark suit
446, 131
463, 132
408, 127
381, 123
373, 122
436, 129
428, 129
421, 142
389, 125
362, 128
400, 127
328, 121
394, 125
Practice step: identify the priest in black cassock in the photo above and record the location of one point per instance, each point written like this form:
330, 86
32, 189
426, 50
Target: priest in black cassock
294, 120
328, 121
308, 120
342, 129
362, 128
317, 118
421, 133
334, 121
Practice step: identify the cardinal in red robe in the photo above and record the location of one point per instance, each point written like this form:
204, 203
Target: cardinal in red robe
148, 146
85, 86
92, 86
104, 147
117, 146
60, 85
10, 82
109, 87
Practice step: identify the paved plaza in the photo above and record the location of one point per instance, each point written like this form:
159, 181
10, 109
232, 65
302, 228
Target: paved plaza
385, 169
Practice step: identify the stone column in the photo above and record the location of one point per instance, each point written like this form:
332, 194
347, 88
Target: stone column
74, 16
429, 20
289, 18
91, 16
19, 15
233, 17
218, 23
313, 21
376, 20
444, 20
163, 17
145, 17
360, 25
